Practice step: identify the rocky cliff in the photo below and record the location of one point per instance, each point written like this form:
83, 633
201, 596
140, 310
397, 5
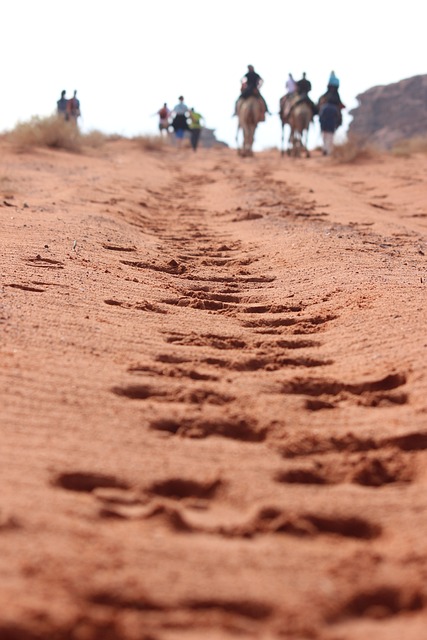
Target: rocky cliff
389, 113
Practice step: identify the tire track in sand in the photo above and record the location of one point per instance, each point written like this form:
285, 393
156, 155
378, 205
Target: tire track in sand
215, 432
239, 342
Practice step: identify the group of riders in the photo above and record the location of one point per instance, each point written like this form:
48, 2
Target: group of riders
328, 108
182, 119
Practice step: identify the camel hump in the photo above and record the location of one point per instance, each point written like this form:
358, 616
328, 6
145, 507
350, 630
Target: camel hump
252, 108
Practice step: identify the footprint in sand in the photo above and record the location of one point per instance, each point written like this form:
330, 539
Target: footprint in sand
44, 263
172, 372
299, 325
327, 394
199, 396
25, 287
87, 482
115, 247
309, 444
144, 305
216, 341
182, 489
380, 603
196, 610
265, 521
372, 469
239, 428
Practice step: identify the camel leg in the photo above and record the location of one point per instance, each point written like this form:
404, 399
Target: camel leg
290, 142
251, 140
295, 144
245, 141
299, 145
307, 152
248, 141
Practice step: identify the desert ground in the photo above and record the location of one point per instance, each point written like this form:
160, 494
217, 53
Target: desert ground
213, 395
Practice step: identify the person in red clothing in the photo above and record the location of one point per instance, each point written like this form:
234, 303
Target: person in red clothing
73, 109
164, 115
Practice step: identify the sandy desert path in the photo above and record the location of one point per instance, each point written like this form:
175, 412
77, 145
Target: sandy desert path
213, 396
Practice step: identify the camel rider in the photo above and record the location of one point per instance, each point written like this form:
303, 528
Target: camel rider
303, 85
332, 96
251, 84
291, 85
286, 101
303, 89
333, 80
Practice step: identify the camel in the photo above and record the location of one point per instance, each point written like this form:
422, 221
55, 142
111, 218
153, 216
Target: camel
299, 120
250, 111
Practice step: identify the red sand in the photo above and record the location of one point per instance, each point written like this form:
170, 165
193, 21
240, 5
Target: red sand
214, 396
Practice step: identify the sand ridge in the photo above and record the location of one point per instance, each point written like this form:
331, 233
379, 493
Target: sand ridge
213, 396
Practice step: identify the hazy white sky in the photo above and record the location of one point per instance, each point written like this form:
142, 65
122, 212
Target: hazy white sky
127, 57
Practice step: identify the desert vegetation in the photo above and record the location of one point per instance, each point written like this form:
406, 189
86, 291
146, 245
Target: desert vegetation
412, 145
353, 150
151, 143
356, 150
54, 133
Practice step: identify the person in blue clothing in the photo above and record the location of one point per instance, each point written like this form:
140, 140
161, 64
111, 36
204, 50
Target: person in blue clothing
329, 118
332, 96
61, 106
179, 122
333, 81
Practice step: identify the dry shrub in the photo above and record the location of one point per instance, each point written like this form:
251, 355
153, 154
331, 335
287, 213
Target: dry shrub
353, 151
95, 139
115, 137
412, 145
52, 132
151, 143
7, 187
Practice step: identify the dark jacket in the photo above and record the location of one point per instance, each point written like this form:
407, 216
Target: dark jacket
303, 86
252, 79
329, 117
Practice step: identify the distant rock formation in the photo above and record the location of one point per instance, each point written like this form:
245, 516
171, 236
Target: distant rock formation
208, 139
389, 113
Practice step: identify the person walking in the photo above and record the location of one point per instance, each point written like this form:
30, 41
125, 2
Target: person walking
61, 106
179, 122
164, 114
73, 109
195, 127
